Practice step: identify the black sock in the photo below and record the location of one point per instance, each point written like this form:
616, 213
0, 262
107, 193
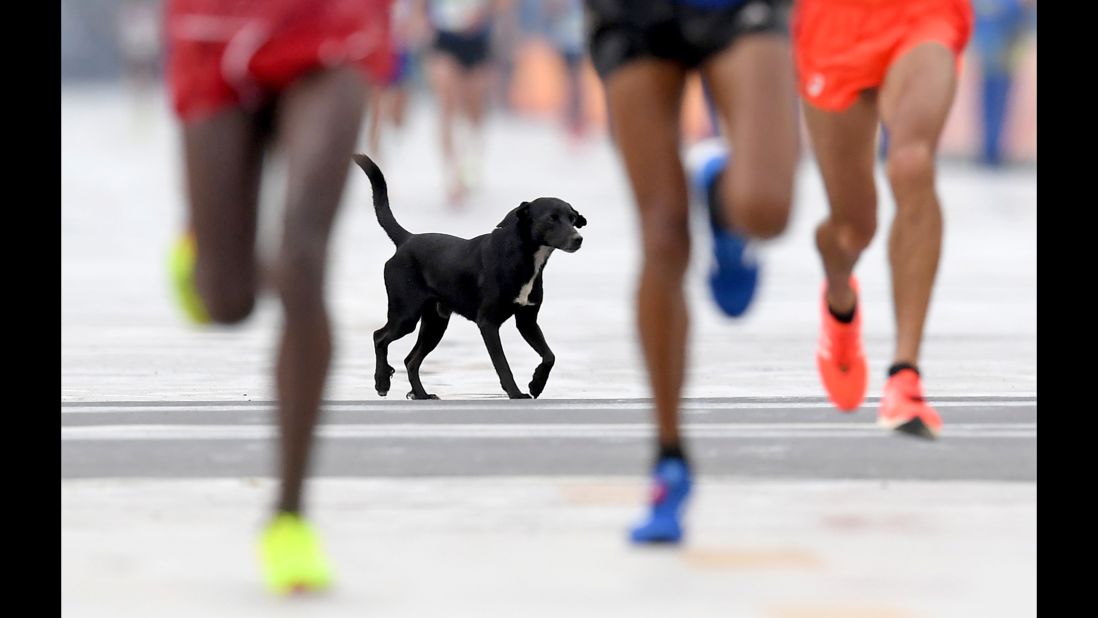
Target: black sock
672, 451
845, 318
898, 367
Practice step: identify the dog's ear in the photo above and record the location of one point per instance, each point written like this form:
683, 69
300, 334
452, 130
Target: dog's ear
521, 213
580, 219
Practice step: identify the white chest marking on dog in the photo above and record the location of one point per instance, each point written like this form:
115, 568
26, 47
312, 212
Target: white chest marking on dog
540, 256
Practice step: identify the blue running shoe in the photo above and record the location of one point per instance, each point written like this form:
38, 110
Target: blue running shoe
671, 487
735, 273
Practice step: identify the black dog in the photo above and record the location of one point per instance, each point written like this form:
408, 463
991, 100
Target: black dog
486, 279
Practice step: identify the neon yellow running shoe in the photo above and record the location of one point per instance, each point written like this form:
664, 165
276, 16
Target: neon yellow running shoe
292, 558
181, 261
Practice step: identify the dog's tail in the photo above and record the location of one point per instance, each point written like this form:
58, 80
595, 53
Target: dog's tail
381, 200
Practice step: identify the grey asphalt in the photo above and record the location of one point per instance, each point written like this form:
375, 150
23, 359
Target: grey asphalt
985, 438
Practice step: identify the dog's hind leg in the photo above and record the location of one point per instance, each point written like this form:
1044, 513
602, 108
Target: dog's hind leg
431, 329
527, 322
393, 330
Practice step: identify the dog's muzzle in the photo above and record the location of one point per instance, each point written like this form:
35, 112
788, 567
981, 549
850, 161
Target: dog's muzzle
573, 244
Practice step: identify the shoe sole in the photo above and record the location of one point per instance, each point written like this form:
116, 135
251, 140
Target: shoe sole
302, 589
657, 541
299, 585
914, 427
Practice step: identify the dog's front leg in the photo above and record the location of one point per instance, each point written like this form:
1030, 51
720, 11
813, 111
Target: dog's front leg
490, 332
527, 323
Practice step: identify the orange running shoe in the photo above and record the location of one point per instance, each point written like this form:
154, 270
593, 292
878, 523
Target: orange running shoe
904, 409
840, 358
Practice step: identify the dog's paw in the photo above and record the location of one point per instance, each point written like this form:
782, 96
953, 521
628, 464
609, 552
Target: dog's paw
520, 396
412, 395
541, 376
536, 388
382, 381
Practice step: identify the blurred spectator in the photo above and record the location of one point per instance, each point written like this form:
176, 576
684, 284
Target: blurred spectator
563, 26
389, 101
997, 38
138, 23
139, 39
460, 69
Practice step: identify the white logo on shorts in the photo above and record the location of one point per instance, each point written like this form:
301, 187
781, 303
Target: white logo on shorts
815, 85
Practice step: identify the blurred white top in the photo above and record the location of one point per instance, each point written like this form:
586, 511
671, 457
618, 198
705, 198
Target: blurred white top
139, 30
456, 15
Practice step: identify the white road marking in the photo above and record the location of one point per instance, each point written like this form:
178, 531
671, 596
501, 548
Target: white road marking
418, 431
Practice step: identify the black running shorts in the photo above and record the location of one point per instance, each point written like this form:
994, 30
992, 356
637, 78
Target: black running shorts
685, 31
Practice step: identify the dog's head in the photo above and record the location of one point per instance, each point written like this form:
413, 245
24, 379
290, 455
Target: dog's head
548, 221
